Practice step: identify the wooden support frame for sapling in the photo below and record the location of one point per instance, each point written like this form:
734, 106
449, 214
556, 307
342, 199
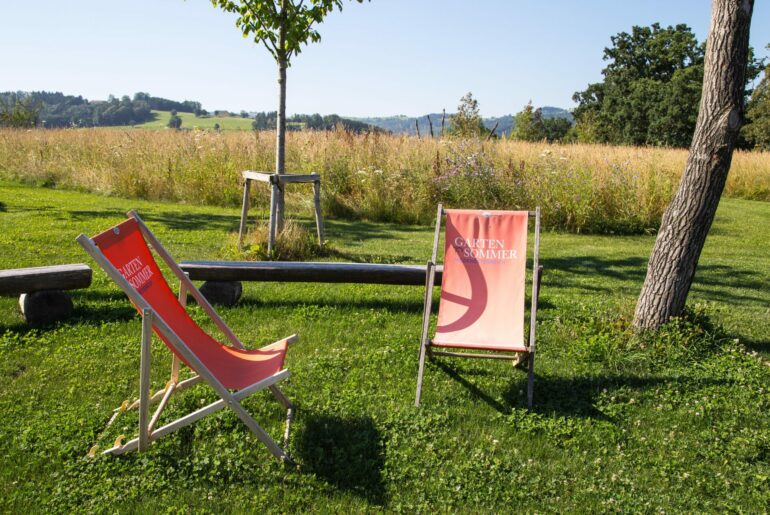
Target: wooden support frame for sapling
277, 182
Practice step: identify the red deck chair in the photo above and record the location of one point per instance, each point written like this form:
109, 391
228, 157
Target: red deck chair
123, 253
482, 289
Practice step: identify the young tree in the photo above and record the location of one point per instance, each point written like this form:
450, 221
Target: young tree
19, 112
174, 122
528, 124
282, 26
688, 218
467, 122
758, 112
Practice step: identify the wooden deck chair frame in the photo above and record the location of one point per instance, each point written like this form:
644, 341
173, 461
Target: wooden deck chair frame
518, 358
147, 431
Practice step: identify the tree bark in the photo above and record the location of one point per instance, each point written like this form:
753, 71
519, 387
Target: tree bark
688, 218
280, 126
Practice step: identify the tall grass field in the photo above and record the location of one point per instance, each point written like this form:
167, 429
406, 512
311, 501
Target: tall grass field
375, 177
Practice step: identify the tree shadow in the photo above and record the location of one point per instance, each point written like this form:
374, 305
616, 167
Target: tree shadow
392, 305
762, 346
714, 282
3, 209
349, 453
624, 269
189, 221
108, 212
103, 313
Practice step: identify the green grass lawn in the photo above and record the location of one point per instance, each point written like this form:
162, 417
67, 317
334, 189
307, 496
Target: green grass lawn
678, 423
189, 121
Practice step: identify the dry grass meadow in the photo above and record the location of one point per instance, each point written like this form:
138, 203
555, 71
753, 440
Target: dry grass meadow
581, 188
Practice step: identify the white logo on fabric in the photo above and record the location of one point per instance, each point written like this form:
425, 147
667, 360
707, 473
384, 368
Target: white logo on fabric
136, 273
480, 248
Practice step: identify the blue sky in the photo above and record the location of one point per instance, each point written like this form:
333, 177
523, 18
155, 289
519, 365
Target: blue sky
386, 57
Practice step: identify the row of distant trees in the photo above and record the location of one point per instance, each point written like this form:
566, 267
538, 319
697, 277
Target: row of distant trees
268, 120
44, 109
54, 109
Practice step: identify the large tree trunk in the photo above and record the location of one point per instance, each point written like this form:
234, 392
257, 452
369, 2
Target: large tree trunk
688, 218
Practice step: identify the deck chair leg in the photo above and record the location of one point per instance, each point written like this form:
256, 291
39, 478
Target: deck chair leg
531, 380
144, 380
284, 400
252, 424
418, 395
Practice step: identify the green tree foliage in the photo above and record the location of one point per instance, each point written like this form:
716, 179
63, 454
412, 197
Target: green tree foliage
174, 122
651, 89
60, 110
556, 129
282, 26
467, 122
164, 104
267, 121
18, 111
757, 130
529, 124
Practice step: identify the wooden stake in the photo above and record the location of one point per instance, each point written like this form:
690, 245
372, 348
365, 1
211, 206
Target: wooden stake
244, 212
273, 217
319, 224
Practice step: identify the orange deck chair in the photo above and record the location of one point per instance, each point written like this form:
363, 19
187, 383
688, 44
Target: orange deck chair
123, 253
482, 289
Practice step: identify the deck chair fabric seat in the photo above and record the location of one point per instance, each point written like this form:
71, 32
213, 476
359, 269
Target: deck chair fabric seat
235, 368
485, 256
482, 303
124, 253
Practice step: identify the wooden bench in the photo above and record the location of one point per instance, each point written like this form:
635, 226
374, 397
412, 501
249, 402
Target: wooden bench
41, 289
223, 278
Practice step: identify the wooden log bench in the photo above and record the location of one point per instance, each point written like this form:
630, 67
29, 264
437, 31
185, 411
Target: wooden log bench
223, 278
43, 298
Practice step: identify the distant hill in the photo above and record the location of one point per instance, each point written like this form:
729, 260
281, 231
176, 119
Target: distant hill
54, 109
406, 125
190, 121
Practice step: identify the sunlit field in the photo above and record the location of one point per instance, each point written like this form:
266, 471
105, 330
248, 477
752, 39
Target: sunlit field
581, 188
675, 423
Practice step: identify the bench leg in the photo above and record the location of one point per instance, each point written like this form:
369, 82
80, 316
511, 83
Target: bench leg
46, 306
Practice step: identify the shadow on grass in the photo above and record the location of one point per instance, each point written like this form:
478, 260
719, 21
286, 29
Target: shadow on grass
714, 282
397, 306
3, 209
761, 346
190, 221
572, 397
347, 452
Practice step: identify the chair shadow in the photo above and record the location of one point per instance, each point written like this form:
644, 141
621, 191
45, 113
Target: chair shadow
555, 396
349, 453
